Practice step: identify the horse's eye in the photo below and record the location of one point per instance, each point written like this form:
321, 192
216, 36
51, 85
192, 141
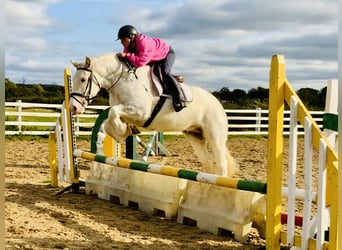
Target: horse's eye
83, 79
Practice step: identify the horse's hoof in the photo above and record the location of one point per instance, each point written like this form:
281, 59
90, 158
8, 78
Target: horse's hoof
133, 129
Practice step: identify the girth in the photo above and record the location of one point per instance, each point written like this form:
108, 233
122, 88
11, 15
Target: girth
156, 110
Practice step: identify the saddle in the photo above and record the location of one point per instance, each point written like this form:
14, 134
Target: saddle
183, 89
157, 79
179, 78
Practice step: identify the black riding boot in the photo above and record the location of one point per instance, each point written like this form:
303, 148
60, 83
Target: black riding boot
173, 88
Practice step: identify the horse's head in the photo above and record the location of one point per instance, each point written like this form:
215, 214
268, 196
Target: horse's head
85, 86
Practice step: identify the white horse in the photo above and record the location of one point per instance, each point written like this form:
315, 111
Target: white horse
133, 96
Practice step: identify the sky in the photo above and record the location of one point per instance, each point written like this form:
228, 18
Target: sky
220, 43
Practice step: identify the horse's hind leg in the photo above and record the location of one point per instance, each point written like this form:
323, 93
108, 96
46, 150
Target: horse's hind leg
212, 152
216, 147
223, 163
200, 148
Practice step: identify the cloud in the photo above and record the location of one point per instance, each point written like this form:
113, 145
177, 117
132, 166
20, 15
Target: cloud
26, 22
218, 43
308, 46
27, 17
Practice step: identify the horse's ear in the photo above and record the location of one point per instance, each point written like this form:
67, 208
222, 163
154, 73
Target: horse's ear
87, 62
76, 64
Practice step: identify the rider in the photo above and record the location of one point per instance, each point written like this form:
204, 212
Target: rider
141, 50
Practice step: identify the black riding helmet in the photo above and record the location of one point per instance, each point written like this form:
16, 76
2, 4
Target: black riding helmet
127, 31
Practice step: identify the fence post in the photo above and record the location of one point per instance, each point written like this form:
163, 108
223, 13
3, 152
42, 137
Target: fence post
331, 104
19, 110
258, 120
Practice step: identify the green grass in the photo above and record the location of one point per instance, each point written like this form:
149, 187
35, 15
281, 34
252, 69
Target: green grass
38, 119
33, 118
26, 137
40, 137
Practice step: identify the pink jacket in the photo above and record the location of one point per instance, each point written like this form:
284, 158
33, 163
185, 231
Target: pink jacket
148, 50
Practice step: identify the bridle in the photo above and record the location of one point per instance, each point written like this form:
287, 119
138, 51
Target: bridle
92, 78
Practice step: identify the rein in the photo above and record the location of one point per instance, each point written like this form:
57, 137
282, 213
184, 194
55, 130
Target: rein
87, 93
131, 70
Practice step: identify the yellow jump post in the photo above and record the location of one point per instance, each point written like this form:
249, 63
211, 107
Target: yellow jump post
275, 153
281, 91
68, 167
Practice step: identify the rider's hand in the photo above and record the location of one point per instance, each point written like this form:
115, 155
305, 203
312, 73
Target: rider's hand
121, 54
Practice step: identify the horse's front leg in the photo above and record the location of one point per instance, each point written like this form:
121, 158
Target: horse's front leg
114, 126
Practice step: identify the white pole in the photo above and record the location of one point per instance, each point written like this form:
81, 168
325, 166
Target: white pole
307, 183
331, 103
19, 110
61, 160
322, 175
292, 171
66, 139
258, 120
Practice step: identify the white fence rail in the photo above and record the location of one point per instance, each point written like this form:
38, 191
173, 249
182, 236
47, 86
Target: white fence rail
39, 119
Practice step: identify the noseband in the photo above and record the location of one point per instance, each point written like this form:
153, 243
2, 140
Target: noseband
87, 92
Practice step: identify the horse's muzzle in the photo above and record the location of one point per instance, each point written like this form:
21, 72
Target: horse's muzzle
76, 105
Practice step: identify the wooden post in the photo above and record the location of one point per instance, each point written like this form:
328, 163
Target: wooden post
131, 148
74, 173
53, 159
258, 120
275, 152
108, 147
19, 119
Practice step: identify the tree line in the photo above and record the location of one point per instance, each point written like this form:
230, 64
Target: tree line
231, 99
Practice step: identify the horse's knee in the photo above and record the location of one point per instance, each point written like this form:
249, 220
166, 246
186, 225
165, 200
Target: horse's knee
115, 130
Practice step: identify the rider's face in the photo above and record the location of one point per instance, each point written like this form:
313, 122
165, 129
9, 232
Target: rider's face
125, 41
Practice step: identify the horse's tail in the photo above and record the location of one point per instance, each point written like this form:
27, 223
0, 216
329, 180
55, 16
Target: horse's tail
233, 166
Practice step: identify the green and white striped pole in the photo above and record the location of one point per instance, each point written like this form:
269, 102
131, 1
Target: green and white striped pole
218, 180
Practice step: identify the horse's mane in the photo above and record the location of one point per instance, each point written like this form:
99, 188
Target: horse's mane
103, 56
113, 56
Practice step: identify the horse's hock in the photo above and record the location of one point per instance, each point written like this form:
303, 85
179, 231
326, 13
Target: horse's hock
212, 208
